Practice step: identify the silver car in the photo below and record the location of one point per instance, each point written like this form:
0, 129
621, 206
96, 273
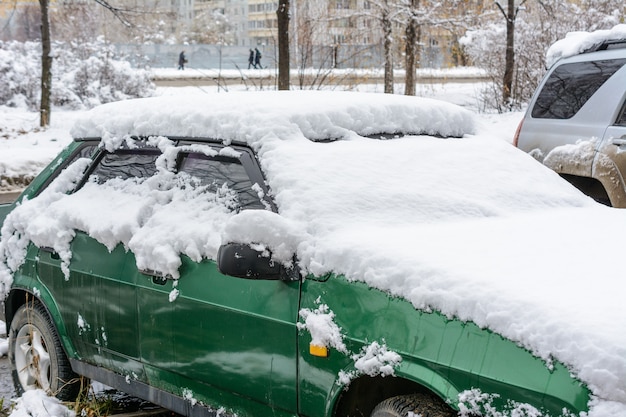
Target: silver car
576, 122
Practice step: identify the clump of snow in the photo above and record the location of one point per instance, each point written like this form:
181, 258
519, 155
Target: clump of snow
144, 209
188, 396
83, 326
320, 323
575, 43
582, 152
36, 403
28, 224
373, 359
279, 235
476, 403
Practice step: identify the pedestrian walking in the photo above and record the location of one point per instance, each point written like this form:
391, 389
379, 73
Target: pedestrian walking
182, 60
257, 58
251, 59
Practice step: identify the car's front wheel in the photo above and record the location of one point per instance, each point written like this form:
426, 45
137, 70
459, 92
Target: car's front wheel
421, 404
37, 357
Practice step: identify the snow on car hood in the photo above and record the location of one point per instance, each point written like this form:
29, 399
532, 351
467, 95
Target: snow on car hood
471, 227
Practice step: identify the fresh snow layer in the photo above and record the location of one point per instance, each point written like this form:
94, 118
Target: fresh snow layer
575, 43
470, 226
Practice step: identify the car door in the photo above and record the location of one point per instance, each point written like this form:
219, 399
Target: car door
224, 340
610, 162
97, 300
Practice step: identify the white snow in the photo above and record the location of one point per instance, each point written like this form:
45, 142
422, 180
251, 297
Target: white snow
470, 226
373, 359
575, 43
320, 323
36, 403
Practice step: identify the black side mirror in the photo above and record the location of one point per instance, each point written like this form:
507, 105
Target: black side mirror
242, 261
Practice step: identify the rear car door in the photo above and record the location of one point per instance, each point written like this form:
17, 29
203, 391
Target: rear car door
98, 299
217, 338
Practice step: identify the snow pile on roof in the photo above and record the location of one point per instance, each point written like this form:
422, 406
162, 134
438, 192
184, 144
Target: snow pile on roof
576, 43
243, 116
471, 227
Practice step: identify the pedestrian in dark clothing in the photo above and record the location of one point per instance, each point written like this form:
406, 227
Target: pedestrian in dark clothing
251, 60
257, 58
182, 60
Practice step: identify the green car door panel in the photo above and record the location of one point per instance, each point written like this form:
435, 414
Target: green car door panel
97, 302
220, 333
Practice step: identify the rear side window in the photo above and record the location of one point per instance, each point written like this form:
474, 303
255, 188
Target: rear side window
570, 86
219, 172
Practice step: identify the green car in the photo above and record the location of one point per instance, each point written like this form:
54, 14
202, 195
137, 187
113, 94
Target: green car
288, 253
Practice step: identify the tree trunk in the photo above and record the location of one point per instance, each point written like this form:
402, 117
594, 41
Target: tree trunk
509, 62
282, 14
46, 66
411, 50
386, 23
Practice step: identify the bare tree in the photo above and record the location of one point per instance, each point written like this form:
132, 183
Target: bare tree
413, 32
282, 15
510, 14
46, 55
46, 65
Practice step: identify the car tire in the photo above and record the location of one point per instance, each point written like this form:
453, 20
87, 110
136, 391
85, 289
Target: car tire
421, 404
37, 357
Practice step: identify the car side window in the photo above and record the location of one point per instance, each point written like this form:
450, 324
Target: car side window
86, 150
126, 164
569, 87
217, 172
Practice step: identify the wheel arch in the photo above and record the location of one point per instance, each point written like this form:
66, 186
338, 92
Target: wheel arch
19, 296
363, 393
593, 188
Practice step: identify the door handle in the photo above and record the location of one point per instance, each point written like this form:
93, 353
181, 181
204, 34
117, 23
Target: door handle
53, 254
619, 141
158, 278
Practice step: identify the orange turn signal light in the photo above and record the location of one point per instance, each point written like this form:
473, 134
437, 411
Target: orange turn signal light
320, 351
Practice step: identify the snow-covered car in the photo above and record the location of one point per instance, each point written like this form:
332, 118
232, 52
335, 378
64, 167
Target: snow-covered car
576, 121
313, 254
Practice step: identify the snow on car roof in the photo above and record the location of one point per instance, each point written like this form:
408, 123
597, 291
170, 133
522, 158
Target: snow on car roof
471, 227
246, 116
576, 43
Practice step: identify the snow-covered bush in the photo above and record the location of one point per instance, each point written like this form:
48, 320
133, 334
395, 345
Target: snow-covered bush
21, 81
83, 75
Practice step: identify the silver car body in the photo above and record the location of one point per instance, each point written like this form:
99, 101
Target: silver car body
587, 148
